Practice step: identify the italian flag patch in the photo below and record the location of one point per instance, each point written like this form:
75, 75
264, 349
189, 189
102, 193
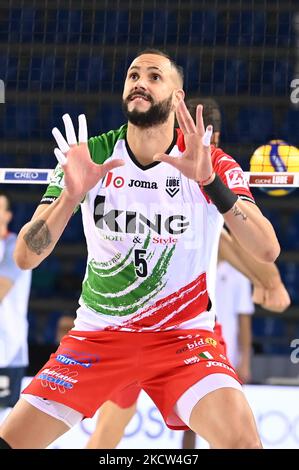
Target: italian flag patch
206, 355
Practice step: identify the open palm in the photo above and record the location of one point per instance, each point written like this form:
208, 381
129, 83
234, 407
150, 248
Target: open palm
195, 163
80, 173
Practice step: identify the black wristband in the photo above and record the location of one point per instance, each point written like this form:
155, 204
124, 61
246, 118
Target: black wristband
223, 198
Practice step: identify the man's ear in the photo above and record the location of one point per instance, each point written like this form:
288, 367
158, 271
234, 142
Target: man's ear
179, 94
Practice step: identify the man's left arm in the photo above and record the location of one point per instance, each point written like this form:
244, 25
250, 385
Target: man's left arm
252, 230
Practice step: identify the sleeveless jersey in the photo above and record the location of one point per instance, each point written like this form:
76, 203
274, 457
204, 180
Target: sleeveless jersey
150, 234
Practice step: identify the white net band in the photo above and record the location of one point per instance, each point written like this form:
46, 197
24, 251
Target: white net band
38, 176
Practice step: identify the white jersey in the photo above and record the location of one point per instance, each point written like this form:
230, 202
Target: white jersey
233, 298
149, 232
13, 309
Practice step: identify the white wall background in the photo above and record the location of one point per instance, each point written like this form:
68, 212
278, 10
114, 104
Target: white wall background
275, 408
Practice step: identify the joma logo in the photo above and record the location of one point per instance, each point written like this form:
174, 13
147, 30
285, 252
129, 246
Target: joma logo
143, 184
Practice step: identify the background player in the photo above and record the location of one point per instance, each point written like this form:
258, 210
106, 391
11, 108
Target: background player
14, 296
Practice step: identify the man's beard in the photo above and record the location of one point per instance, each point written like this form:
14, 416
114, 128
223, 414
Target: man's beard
157, 114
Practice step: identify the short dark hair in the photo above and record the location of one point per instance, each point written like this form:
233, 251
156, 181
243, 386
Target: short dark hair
211, 111
178, 68
4, 194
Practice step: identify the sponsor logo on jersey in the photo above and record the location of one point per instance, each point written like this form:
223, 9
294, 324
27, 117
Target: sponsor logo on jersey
143, 184
196, 344
211, 341
117, 181
79, 357
219, 364
111, 238
172, 186
48, 199
111, 262
121, 221
164, 241
58, 378
236, 179
71, 362
191, 360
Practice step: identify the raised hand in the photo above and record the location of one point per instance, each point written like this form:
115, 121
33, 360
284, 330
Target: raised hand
80, 173
195, 163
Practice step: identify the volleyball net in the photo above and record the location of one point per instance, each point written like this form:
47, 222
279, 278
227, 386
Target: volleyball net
255, 179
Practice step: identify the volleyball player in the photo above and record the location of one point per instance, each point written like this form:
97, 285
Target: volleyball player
149, 230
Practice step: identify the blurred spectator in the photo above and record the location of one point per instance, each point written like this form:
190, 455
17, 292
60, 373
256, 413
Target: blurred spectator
14, 296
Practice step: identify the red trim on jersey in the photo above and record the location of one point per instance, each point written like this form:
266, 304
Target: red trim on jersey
180, 140
230, 172
195, 293
226, 168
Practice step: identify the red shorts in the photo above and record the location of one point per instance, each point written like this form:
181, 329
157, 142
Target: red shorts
129, 395
89, 367
218, 333
126, 397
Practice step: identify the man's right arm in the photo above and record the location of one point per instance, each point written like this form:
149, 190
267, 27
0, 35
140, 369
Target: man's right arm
38, 237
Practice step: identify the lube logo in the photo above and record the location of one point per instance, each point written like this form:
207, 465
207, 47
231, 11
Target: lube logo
172, 186
121, 221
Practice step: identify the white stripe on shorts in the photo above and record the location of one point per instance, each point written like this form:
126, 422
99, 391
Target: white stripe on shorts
191, 397
64, 413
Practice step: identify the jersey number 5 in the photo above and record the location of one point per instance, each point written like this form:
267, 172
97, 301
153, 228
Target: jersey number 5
140, 263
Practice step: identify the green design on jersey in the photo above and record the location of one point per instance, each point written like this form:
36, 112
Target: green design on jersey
111, 294
126, 276
109, 271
